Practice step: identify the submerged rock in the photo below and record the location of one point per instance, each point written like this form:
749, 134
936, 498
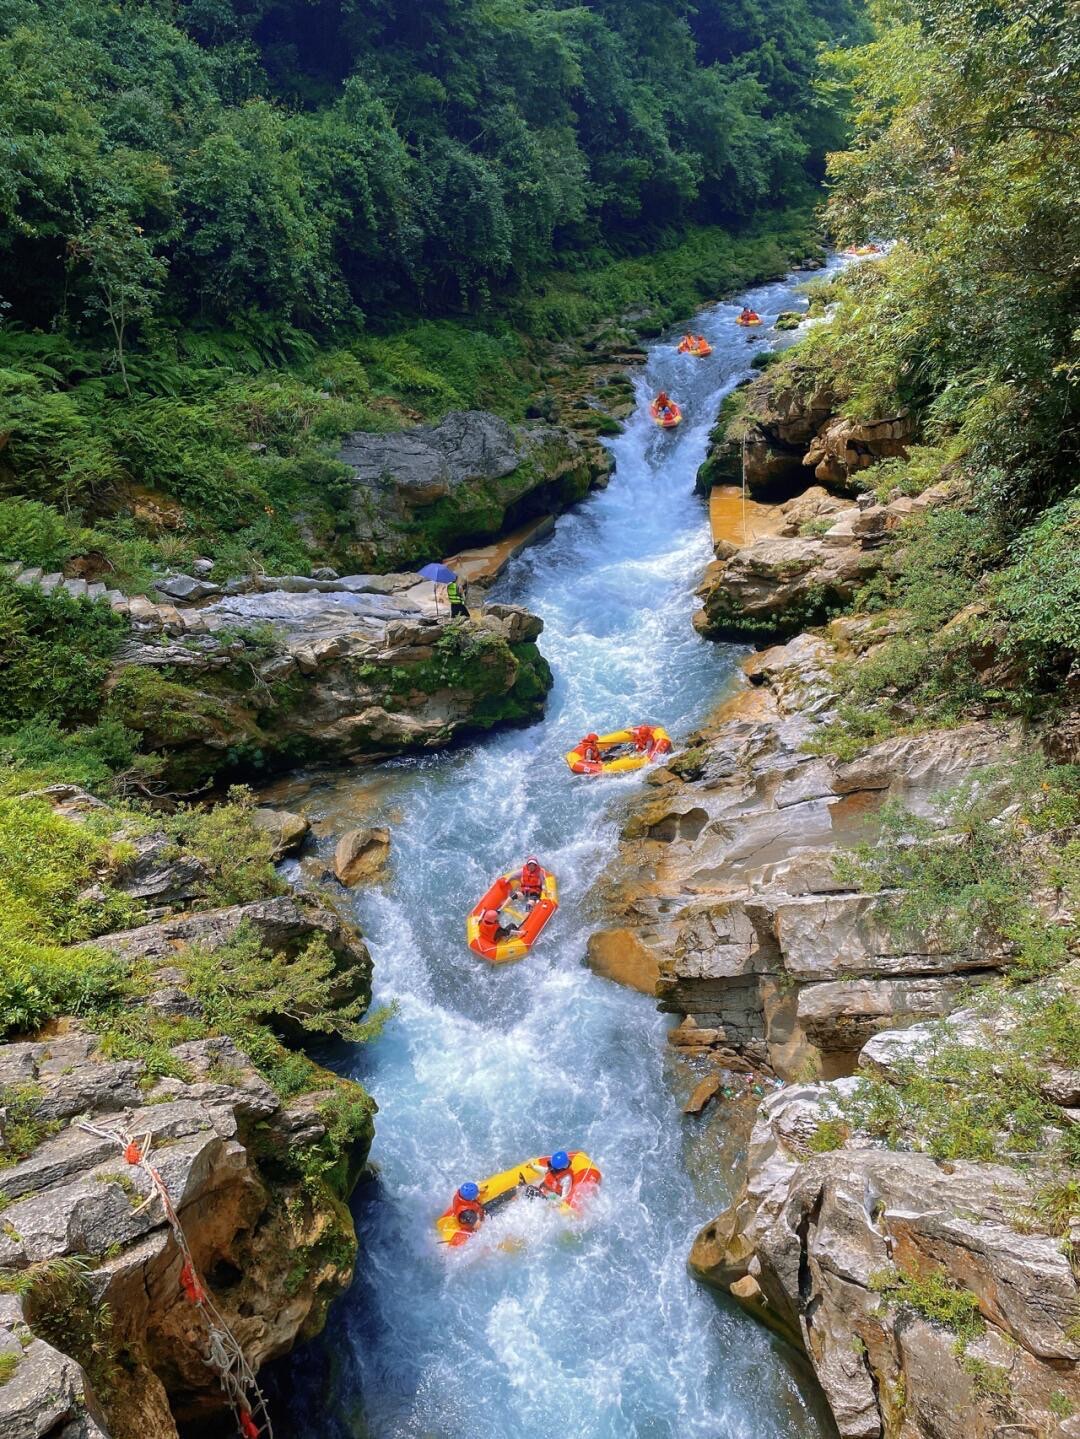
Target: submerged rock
361, 856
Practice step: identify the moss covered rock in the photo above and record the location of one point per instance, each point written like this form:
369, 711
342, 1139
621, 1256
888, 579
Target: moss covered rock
318, 681
419, 494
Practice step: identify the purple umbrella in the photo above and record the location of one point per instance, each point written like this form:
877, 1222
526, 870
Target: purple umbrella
438, 575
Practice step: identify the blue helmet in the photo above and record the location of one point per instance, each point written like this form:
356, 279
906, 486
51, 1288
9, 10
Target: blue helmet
470, 1192
560, 1159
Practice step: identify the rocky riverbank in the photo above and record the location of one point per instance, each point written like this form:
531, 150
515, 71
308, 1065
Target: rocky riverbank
906, 1211
187, 1040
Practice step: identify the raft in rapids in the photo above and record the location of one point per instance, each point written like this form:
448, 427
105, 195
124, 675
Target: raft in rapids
621, 751
526, 924
526, 1179
668, 421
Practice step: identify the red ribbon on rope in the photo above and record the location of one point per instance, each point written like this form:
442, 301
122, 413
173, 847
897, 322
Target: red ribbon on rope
189, 1283
225, 1356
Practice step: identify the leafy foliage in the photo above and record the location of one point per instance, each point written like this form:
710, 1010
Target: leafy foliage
966, 121
239, 160
967, 880
54, 653
935, 1296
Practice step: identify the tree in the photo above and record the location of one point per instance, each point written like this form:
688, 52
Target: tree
125, 279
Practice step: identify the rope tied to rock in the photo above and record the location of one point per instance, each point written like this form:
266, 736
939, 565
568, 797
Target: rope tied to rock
224, 1354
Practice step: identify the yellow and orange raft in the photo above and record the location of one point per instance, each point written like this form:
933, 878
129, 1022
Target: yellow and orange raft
859, 252
503, 890
691, 345
747, 320
500, 1189
620, 751
668, 421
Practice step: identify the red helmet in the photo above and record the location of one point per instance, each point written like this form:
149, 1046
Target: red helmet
532, 863
491, 916
592, 738
640, 729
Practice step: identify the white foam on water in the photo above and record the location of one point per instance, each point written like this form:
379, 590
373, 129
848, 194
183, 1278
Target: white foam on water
590, 1325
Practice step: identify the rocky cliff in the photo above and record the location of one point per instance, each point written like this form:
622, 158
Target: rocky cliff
418, 494
728, 876
935, 1298
190, 1046
814, 902
782, 429
292, 669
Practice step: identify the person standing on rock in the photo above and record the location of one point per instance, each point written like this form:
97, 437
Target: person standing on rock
456, 599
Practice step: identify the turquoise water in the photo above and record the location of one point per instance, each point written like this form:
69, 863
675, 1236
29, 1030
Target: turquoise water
593, 1327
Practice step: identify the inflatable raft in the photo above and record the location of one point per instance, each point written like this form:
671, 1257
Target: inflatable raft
752, 319
692, 347
671, 420
621, 750
504, 1188
529, 923
860, 252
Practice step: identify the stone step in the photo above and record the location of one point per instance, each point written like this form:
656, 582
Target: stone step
171, 618
31, 576
96, 591
143, 612
76, 589
118, 601
48, 583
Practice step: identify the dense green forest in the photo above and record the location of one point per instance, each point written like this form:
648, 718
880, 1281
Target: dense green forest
965, 151
231, 232
266, 165
229, 224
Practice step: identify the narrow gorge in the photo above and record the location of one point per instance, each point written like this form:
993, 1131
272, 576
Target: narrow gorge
390, 397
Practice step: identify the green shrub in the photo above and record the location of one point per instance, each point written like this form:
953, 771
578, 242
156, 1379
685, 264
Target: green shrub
935, 1296
39, 981
24, 1129
828, 1135
54, 876
54, 654
243, 987
34, 534
965, 880
1036, 598
41, 753
989, 1381
237, 853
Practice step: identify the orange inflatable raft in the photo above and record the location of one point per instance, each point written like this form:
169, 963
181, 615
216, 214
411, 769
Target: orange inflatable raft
499, 1189
525, 924
622, 750
689, 346
668, 421
859, 252
752, 319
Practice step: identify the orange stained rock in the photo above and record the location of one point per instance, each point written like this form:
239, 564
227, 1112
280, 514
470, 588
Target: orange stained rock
726, 517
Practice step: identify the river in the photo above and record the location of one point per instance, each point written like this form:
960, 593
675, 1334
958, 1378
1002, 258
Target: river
591, 1328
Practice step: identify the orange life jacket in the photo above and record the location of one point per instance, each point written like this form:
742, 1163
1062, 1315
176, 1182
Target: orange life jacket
553, 1183
489, 931
532, 880
459, 1206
